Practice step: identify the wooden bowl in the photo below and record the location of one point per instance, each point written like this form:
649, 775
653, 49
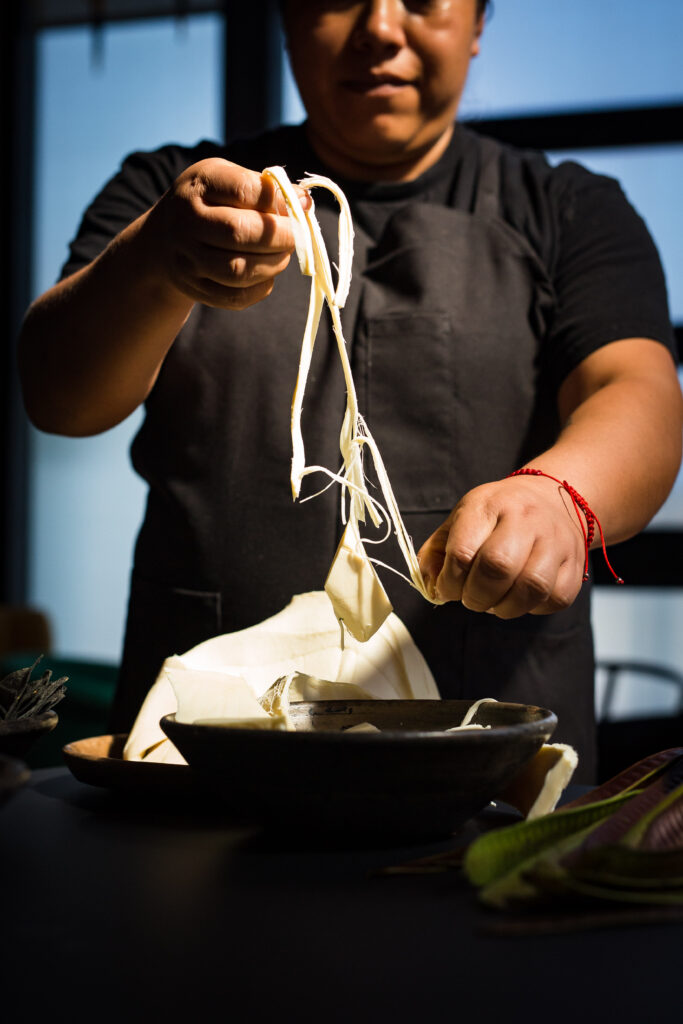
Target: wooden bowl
98, 761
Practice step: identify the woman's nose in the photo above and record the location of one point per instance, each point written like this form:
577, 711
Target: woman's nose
381, 25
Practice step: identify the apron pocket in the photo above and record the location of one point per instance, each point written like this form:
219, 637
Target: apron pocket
162, 621
410, 406
176, 618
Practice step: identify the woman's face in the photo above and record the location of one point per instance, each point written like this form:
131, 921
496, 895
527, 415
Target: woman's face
381, 80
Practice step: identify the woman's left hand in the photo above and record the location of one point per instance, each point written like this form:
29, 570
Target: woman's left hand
516, 545
508, 547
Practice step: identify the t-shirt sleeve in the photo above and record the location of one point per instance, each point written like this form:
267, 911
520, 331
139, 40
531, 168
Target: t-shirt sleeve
608, 276
140, 182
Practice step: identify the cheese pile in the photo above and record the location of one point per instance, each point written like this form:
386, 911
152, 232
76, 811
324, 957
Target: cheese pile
228, 681
294, 655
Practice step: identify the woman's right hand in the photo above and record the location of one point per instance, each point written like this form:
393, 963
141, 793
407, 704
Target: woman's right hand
91, 347
222, 234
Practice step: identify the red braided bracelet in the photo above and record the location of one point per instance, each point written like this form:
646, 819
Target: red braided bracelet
579, 503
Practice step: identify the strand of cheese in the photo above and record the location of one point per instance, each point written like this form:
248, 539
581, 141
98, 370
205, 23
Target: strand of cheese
358, 597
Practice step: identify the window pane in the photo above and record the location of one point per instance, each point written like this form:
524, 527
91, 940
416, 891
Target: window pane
293, 110
539, 56
641, 626
155, 82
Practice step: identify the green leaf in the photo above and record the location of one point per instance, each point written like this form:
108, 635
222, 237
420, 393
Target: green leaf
497, 853
592, 851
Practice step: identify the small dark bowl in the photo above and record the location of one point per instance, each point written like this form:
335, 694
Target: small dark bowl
13, 775
17, 737
412, 779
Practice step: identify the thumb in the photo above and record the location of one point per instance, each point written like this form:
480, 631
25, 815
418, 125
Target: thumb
447, 556
272, 200
431, 556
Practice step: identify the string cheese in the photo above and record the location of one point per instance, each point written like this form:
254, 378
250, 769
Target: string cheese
359, 600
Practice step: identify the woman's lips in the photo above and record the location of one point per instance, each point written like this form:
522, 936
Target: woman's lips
377, 85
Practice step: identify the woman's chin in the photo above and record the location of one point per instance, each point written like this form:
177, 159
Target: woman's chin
379, 148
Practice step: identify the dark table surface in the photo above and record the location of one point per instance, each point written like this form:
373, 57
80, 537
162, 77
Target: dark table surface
112, 909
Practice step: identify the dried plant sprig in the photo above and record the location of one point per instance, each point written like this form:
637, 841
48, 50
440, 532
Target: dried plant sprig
24, 697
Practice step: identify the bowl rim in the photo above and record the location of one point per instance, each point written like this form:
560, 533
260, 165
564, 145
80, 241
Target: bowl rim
545, 722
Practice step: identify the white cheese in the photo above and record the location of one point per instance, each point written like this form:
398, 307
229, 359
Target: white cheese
537, 788
202, 695
147, 736
297, 686
358, 598
562, 760
467, 722
352, 577
301, 641
304, 637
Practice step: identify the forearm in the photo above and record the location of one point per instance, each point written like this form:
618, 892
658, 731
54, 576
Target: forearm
509, 546
621, 444
91, 347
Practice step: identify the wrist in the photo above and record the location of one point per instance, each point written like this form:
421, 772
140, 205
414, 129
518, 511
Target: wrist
580, 506
553, 486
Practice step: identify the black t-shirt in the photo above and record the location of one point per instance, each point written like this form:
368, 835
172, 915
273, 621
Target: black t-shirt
594, 247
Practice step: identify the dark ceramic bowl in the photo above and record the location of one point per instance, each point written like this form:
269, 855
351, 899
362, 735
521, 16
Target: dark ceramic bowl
411, 779
13, 775
17, 737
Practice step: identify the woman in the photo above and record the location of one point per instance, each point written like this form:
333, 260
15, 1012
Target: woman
503, 315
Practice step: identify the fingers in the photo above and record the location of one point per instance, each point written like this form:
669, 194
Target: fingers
233, 269
496, 570
504, 554
240, 208
537, 583
431, 557
211, 294
230, 227
223, 183
225, 234
447, 557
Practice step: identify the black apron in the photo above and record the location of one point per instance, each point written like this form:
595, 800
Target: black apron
445, 319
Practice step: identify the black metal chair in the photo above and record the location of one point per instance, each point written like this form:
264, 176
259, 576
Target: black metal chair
623, 741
